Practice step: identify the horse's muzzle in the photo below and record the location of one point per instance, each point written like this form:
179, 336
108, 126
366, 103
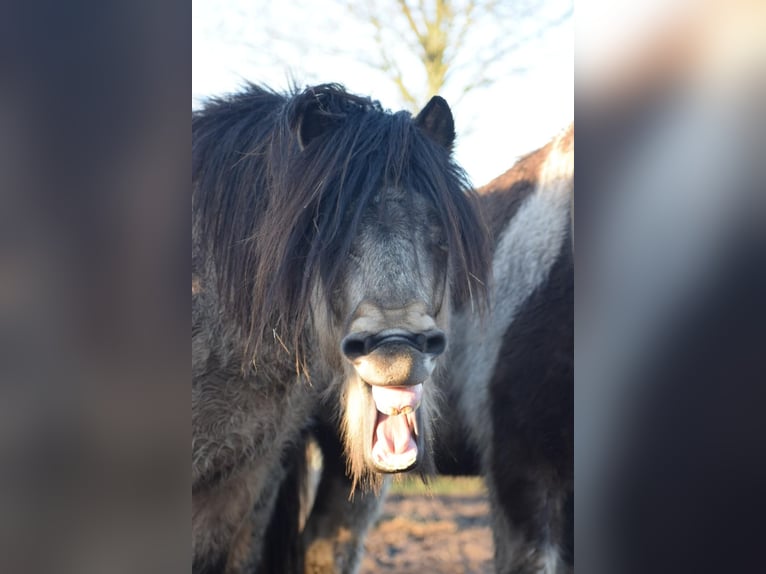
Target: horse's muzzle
394, 357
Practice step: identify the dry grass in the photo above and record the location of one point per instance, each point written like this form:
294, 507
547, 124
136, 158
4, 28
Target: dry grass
439, 486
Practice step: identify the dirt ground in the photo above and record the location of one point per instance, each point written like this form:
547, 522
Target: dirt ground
431, 534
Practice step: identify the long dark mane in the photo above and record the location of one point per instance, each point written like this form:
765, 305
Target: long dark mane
280, 182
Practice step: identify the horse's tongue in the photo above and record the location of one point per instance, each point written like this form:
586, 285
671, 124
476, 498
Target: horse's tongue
395, 433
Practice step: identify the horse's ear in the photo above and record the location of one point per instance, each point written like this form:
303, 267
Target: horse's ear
309, 120
437, 123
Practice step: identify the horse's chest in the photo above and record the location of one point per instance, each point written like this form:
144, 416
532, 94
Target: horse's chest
236, 422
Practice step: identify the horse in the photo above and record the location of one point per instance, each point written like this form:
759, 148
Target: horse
330, 240
512, 379
506, 385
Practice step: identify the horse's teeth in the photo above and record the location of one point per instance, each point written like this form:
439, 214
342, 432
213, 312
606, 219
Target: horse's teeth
405, 410
394, 401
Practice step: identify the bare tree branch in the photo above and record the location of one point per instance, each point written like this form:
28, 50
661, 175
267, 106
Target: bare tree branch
390, 67
460, 37
413, 25
461, 45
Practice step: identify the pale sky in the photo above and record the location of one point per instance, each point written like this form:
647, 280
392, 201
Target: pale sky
518, 113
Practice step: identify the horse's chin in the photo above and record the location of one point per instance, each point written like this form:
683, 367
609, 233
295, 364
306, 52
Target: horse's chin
393, 423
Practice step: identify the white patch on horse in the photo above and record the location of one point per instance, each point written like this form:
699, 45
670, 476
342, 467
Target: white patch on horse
526, 251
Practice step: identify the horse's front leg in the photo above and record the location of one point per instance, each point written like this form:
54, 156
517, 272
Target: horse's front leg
229, 521
532, 517
335, 530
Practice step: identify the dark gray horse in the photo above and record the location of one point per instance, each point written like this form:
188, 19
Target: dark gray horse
330, 239
506, 385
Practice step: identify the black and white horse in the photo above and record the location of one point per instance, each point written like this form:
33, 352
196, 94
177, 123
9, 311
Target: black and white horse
509, 381
330, 239
506, 384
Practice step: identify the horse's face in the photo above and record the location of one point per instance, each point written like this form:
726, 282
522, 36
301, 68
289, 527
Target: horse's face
397, 227
394, 305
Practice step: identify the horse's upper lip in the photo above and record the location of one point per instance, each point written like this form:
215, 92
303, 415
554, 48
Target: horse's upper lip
394, 400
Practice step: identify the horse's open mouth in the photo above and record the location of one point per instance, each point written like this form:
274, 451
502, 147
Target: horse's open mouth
395, 432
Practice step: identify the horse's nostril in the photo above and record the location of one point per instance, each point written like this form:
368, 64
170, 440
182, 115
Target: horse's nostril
354, 347
435, 343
